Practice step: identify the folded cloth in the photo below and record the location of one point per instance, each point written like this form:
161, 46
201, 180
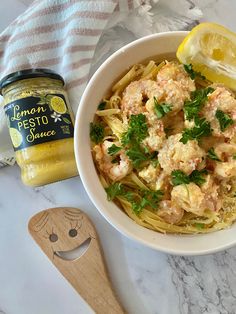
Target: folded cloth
6, 150
63, 35
57, 34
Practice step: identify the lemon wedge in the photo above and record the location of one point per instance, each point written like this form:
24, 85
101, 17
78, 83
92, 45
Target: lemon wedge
211, 49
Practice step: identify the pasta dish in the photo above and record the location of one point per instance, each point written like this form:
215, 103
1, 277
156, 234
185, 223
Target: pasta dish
163, 142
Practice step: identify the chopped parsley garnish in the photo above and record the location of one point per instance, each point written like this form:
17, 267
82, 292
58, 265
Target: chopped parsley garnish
149, 198
234, 156
193, 74
114, 190
202, 128
191, 111
145, 198
198, 98
102, 105
224, 119
113, 149
155, 163
212, 155
96, 132
179, 177
161, 109
199, 226
196, 176
137, 130
138, 155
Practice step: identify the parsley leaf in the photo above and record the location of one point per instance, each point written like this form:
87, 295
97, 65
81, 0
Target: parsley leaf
179, 177
96, 132
202, 128
114, 190
199, 226
137, 130
102, 105
161, 109
193, 74
113, 149
155, 163
196, 176
138, 155
212, 155
148, 198
234, 156
198, 98
224, 119
151, 198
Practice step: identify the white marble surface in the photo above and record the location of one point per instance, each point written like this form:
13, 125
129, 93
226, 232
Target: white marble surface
146, 281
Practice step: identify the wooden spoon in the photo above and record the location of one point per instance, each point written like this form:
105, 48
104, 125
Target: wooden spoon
59, 232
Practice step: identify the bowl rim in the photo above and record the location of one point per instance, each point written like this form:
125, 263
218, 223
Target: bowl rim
95, 200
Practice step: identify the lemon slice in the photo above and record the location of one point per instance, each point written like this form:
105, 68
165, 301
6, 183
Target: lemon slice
211, 49
58, 104
16, 137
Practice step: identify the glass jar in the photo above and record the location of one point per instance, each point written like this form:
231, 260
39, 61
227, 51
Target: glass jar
41, 125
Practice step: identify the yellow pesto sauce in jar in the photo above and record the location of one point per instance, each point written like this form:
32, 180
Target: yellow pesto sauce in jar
41, 125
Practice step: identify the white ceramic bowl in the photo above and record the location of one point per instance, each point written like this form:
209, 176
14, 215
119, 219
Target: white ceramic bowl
102, 80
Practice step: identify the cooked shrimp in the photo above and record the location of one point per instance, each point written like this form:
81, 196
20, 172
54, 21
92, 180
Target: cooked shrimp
174, 71
190, 198
225, 151
156, 179
150, 173
221, 99
135, 94
170, 212
176, 155
226, 168
173, 94
163, 182
115, 171
211, 190
156, 136
171, 91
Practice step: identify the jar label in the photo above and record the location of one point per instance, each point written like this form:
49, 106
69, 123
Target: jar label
38, 119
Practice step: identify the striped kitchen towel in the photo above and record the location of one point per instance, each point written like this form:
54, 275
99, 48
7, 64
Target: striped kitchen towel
63, 35
58, 34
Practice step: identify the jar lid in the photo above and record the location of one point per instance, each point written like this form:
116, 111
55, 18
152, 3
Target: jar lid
29, 73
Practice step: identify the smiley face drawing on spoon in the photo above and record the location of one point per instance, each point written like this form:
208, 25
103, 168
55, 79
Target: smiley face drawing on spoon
69, 239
